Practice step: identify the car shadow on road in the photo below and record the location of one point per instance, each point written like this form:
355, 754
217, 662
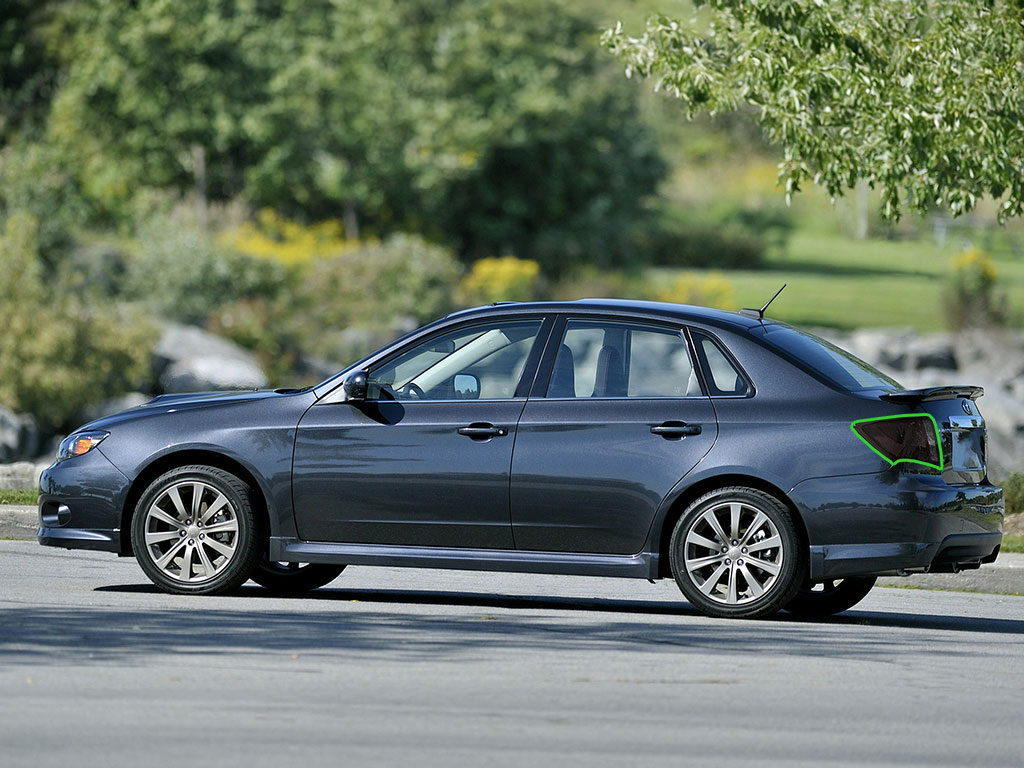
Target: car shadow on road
64, 636
414, 625
412, 598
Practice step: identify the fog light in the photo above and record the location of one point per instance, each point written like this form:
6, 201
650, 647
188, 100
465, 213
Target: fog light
54, 515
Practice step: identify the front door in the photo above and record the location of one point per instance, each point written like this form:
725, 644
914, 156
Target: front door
425, 460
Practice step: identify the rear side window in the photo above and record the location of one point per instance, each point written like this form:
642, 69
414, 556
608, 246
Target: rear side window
615, 359
844, 370
724, 378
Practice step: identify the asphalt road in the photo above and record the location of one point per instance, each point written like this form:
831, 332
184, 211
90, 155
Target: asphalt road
425, 668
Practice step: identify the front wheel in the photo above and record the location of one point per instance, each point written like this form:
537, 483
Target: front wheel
735, 553
830, 597
294, 578
195, 532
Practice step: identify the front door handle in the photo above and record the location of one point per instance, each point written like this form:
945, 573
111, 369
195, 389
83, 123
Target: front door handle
482, 430
676, 430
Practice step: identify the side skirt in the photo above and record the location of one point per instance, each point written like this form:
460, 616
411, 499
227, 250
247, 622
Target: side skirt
289, 550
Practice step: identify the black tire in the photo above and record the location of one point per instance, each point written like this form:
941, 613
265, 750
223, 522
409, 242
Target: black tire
194, 531
758, 567
294, 578
830, 597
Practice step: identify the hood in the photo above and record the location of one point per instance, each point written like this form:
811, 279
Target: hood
162, 404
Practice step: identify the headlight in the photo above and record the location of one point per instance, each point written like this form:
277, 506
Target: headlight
79, 443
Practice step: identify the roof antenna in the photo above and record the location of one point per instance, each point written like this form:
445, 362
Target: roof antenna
758, 314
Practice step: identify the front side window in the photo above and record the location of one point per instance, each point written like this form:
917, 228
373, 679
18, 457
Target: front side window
611, 359
481, 362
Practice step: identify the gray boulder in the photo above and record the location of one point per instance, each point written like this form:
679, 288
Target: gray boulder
22, 474
115, 405
19, 436
189, 359
934, 351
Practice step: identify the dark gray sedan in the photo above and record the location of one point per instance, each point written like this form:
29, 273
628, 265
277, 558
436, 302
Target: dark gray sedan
759, 466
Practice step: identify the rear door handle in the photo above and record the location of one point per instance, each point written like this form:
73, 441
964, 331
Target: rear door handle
676, 430
482, 430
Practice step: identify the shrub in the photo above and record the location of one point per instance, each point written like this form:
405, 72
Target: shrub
591, 283
34, 180
58, 355
972, 297
723, 237
364, 297
500, 279
711, 291
184, 275
269, 328
1013, 493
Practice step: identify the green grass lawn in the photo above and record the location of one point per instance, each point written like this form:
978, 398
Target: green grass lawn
842, 283
1013, 544
21, 497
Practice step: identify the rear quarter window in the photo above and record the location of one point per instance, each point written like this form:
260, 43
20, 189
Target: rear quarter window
724, 378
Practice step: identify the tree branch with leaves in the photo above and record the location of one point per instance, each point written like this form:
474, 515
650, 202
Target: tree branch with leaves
922, 100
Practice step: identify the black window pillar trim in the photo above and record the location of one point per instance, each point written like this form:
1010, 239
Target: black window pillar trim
539, 386
534, 360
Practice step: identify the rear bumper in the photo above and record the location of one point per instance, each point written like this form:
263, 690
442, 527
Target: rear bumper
900, 522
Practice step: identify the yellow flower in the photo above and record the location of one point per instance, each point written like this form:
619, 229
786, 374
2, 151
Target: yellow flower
505, 278
711, 291
288, 242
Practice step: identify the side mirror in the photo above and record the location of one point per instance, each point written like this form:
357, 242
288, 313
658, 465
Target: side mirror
355, 386
467, 386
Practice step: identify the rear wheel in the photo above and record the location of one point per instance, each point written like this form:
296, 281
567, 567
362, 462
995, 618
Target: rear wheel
294, 578
735, 554
194, 531
830, 597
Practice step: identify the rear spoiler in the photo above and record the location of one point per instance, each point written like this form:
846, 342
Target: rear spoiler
933, 393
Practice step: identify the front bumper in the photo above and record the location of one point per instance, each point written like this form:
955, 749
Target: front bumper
80, 503
897, 522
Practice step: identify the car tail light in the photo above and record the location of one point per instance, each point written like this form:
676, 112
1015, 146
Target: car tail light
909, 437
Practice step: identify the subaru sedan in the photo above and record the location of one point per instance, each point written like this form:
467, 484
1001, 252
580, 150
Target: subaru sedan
757, 465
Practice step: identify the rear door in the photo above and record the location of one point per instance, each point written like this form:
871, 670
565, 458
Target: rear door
621, 418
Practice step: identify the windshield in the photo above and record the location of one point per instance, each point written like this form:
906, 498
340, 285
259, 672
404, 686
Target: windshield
838, 366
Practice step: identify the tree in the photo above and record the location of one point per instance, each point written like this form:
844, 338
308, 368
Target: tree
492, 126
29, 65
155, 94
922, 100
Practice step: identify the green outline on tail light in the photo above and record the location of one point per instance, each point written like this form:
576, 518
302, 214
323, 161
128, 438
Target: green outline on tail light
938, 438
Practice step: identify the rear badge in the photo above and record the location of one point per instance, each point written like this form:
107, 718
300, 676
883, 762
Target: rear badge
966, 405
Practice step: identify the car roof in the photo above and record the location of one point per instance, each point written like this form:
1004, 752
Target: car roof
685, 312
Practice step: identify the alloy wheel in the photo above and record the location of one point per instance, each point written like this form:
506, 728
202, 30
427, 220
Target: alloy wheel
733, 553
191, 531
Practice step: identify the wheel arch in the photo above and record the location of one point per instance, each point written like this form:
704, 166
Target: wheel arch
691, 493
166, 463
